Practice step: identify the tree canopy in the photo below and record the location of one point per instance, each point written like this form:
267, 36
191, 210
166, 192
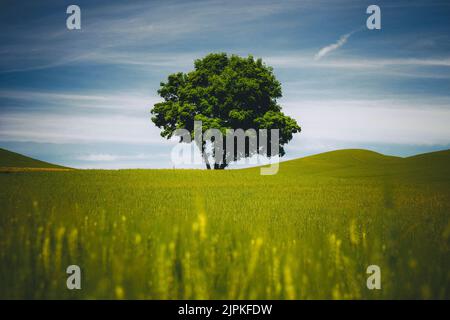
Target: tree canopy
224, 92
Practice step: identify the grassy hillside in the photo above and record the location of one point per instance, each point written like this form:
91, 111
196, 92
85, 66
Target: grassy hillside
9, 159
308, 232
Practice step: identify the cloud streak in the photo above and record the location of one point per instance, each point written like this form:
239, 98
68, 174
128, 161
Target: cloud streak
332, 47
388, 121
143, 25
61, 128
102, 157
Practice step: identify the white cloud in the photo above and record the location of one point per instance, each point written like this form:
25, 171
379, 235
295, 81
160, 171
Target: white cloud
372, 121
60, 128
66, 117
399, 67
332, 47
72, 101
301, 60
285, 60
395, 120
144, 26
101, 157
98, 157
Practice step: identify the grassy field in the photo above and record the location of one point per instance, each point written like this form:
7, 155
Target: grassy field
308, 232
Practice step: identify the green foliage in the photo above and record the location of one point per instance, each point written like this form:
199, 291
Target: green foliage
224, 92
308, 232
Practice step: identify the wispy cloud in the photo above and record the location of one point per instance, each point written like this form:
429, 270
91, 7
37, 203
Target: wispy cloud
101, 157
131, 103
143, 25
411, 67
396, 121
62, 128
332, 47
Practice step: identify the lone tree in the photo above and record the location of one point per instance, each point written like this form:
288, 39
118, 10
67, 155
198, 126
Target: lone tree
224, 92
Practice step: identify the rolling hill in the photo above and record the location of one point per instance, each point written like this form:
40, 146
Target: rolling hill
327, 162
362, 157
9, 159
364, 163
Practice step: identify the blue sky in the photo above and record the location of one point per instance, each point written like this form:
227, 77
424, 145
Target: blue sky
82, 98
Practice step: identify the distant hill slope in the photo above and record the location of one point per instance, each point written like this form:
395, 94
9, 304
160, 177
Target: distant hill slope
339, 159
437, 156
339, 162
365, 163
9, 159
352, 157
345, 157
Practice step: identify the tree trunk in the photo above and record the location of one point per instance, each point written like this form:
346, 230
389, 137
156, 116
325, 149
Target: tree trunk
220, 166
205, 157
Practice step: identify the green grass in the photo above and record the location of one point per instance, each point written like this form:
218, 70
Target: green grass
308, 232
